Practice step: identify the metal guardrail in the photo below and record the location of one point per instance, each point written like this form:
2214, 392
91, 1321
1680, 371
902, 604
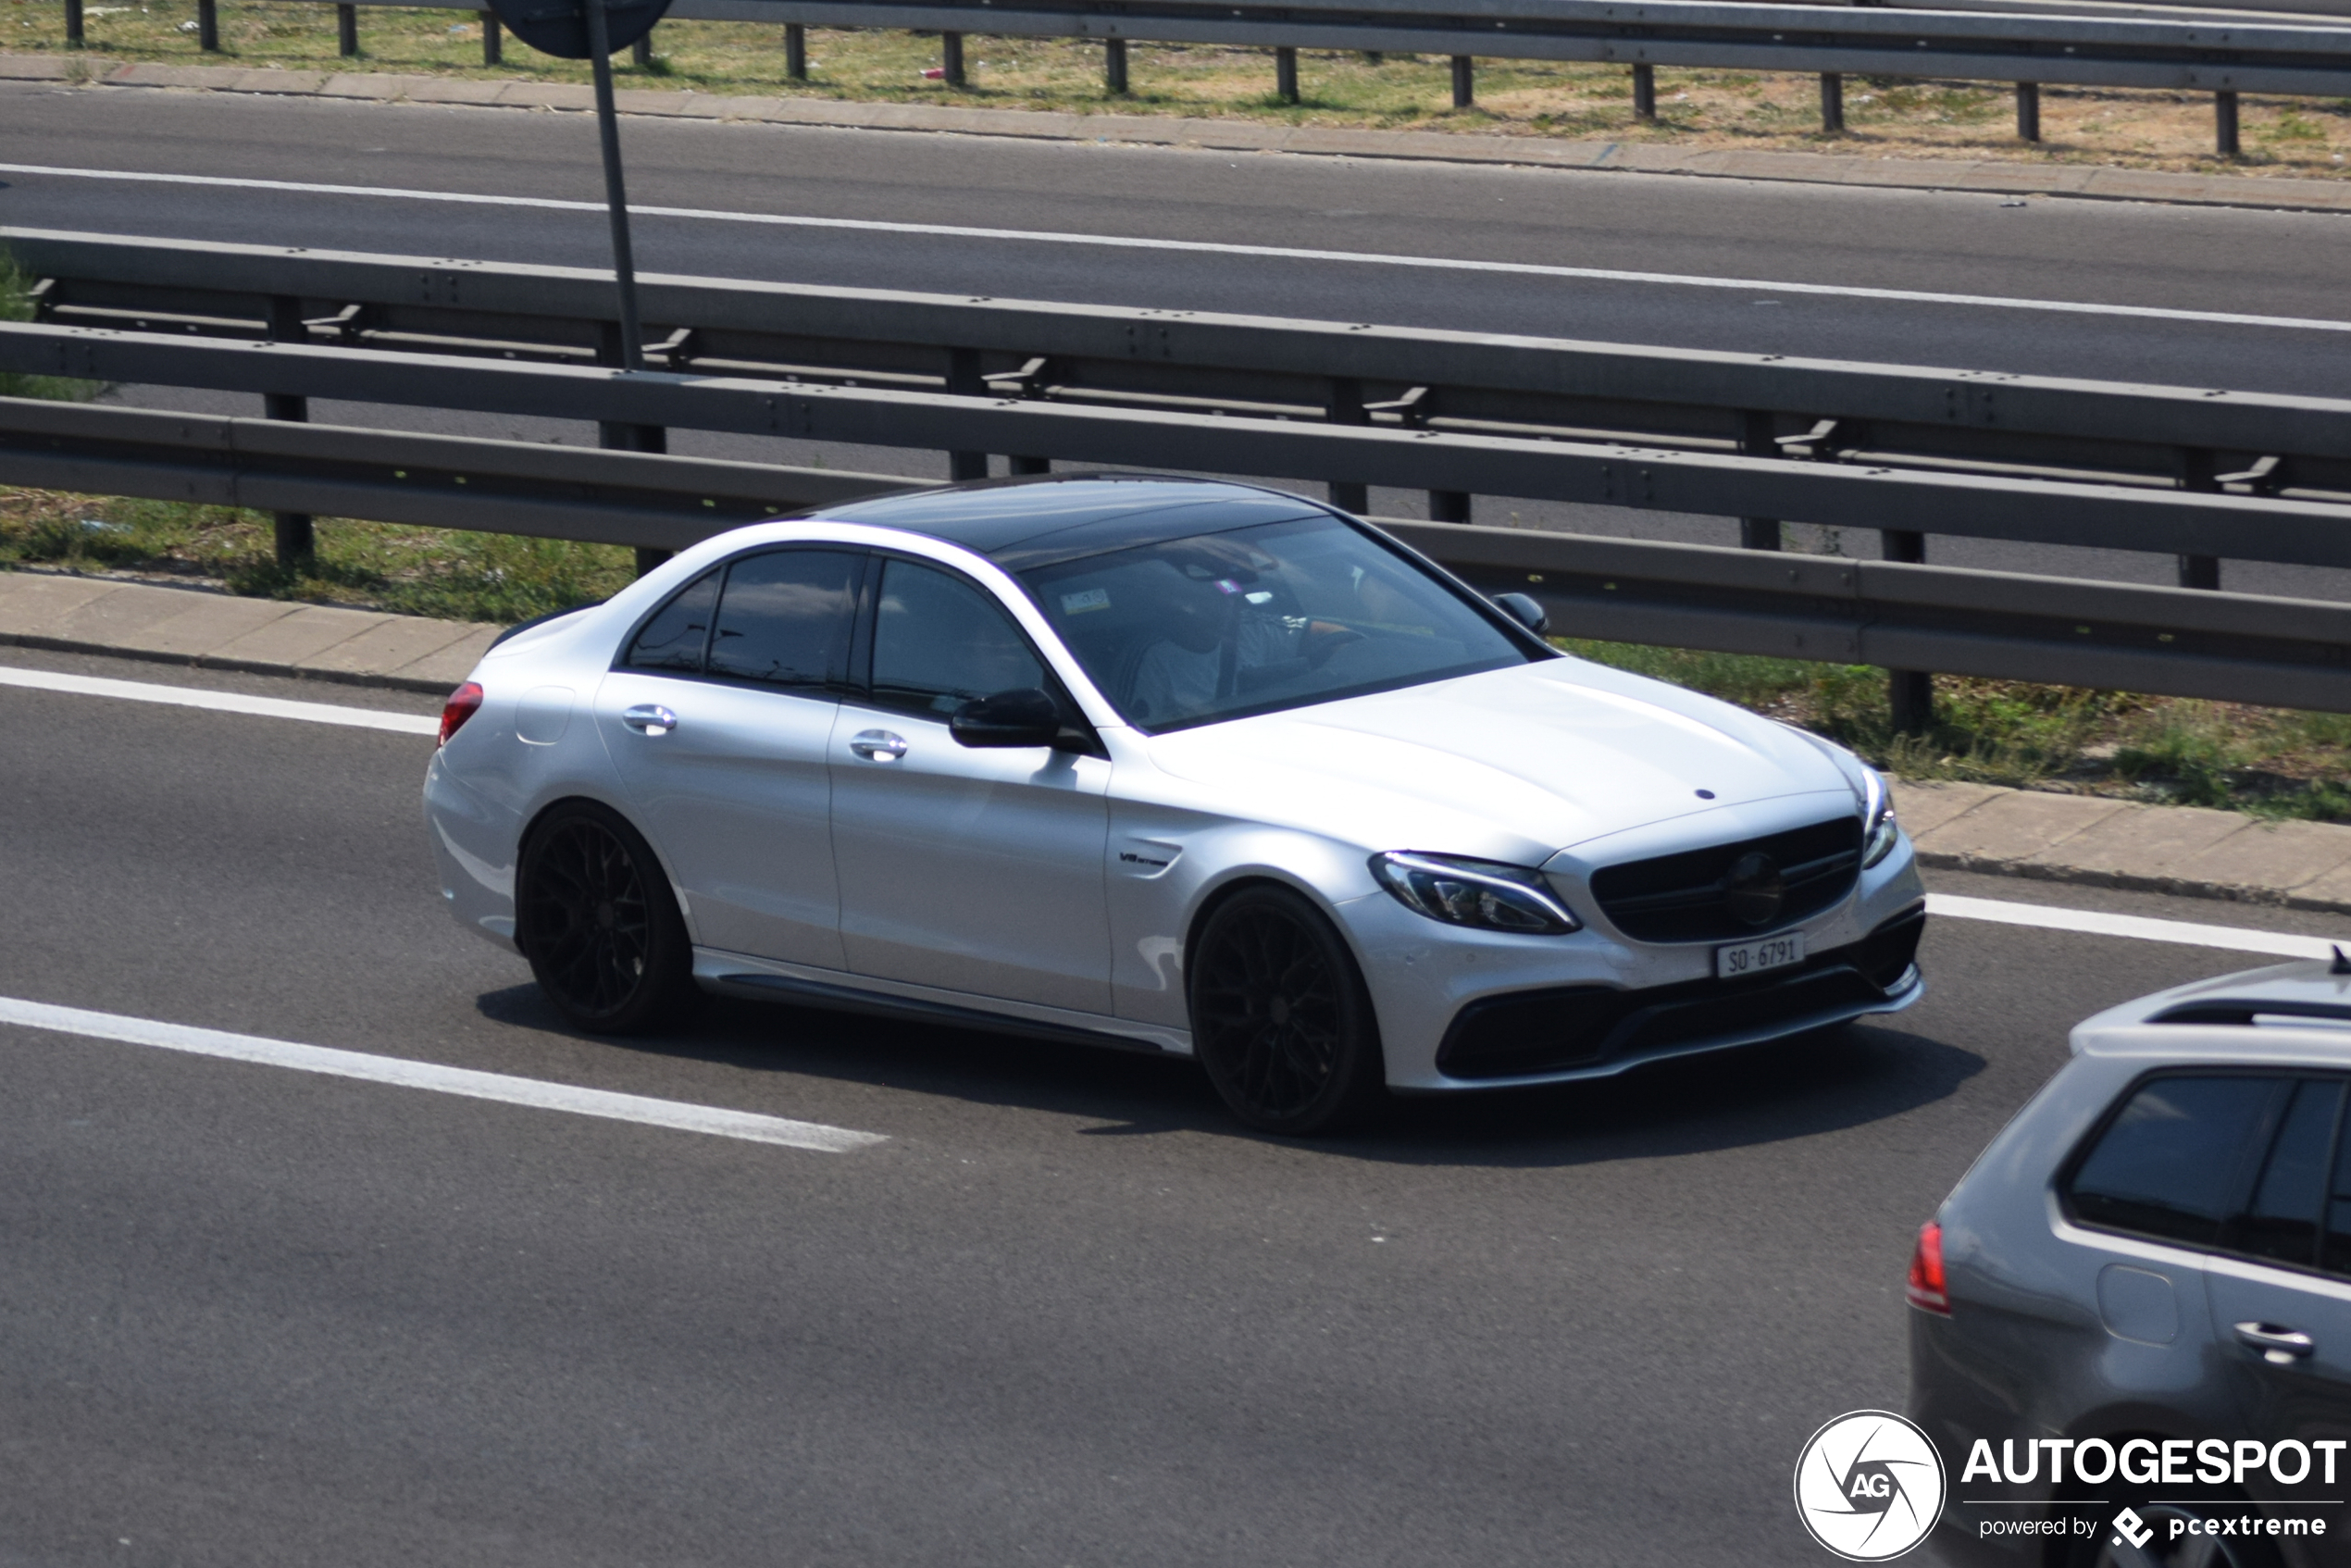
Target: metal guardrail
1829, 41
1604, 473
2228, 646
2190, 471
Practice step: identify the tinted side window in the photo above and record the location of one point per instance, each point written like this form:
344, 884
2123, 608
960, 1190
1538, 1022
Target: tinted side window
784, 618
673, 638
2334, 1249
939, 642
2281, 1219
2172, 1165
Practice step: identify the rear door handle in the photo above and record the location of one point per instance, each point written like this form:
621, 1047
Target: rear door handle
879, 745
650, 718
2280, 1346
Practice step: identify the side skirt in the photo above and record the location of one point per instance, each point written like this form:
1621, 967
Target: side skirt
766, 980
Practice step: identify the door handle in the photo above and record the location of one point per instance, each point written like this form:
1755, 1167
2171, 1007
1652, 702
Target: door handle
650, 718
2279, 1347
879, 745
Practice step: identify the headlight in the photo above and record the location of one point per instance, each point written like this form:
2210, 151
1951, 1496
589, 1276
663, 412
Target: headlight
1488, 894
1877, 817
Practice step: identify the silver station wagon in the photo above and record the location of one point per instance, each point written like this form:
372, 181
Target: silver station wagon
2133, 1342
1176, 765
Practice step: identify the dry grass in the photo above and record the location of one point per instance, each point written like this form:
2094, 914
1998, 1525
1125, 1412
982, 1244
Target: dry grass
1696, 108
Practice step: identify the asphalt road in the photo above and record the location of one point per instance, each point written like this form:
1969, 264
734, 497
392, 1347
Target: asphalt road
2018, 256
2266, 263
1066, 1314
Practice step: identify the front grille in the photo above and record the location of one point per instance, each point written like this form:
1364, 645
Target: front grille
1695, 896
1553, 1031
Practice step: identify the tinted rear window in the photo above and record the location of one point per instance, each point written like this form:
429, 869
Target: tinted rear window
673, 638
2280, 1221
784, 618
2171, 1164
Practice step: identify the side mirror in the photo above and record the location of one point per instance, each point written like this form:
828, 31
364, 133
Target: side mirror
1525, 611
1023, 716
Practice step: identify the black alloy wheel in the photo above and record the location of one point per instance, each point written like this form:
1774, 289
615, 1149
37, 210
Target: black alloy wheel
1280, 1017
594, 915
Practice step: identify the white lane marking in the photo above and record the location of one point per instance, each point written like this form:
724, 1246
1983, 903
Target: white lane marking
2138, 927
219, 701
1210, 247
534, 1093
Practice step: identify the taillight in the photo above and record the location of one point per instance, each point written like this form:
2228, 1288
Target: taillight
462, 703
1926, 1290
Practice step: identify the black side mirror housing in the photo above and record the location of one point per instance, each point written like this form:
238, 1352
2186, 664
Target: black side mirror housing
1525, 611
1023, 716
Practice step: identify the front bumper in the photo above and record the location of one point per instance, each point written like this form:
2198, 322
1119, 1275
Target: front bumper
1463, 1009
1573, 1029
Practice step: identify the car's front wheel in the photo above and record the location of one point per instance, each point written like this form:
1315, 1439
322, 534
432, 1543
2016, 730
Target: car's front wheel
1281, 1018
594, 915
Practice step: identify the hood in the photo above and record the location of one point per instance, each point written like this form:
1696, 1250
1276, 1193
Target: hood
1512, 765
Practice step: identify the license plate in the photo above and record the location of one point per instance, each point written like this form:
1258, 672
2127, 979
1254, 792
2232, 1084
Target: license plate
1753, 958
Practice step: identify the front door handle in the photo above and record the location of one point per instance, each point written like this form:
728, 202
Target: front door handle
879, 745
650, 718
2279, 1347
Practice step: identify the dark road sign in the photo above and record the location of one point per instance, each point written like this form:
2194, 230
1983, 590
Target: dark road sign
560, 27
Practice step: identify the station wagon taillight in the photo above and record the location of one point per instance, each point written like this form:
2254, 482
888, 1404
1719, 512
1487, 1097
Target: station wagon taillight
1926, 1289
462, 703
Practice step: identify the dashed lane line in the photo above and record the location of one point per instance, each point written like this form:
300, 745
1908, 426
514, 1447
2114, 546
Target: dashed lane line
537, 1094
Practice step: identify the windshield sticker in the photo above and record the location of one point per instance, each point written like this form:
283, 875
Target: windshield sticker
1226, 585
1086, 599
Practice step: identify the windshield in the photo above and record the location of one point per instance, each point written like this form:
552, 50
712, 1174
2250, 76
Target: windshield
1273, 616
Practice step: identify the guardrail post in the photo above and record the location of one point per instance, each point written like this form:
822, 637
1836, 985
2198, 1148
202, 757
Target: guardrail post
2200, 469
1909, 693
73, 24
796, 51
1286, 75
2224, 123
347, 31
1832, 104
1644, 92
951, 50
1346, 407
1758, 438
1114, 67
2028, 111
1029, 465
295, 541
616, 435
1464, 81
493, 40
209, 26
963, 380
1448, 506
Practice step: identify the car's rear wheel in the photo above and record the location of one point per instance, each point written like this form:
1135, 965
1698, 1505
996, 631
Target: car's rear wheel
594, 915
1280, 1016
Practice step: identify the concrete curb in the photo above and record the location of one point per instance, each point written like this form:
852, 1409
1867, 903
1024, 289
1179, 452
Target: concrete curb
2106, 843
2089, 183
2079, 839
210, 631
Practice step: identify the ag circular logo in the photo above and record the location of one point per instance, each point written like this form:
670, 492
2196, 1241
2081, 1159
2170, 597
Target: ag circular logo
1868, 1486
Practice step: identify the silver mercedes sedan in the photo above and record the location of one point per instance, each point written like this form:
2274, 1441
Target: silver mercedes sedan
1169, 765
